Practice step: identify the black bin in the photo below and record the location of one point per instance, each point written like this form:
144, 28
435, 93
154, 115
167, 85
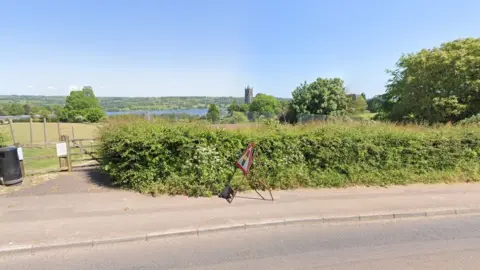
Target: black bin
10, 171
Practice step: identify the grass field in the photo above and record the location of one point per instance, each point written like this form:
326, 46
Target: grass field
22, 136
22, 132
49, 163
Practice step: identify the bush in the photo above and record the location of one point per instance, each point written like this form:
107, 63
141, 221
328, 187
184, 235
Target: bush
473, 120
94, 115
235, 118
197, 160
3, 139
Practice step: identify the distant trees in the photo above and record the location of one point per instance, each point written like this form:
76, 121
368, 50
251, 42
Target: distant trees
235, 107
213, 113
324, 96
264, 105
441, 84
357, 104
81, 105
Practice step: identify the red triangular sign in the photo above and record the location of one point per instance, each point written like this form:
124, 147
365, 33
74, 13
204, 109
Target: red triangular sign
246, 159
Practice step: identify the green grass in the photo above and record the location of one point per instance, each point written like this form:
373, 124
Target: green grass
22, 136
22, 132
49, 163
365, 116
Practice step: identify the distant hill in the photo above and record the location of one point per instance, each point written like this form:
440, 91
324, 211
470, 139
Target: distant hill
131, 103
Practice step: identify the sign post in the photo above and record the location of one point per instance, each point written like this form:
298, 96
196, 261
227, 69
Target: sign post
243, 163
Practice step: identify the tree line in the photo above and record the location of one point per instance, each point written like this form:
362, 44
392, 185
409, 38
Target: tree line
80, 106
436, 85
123, 104
324, 96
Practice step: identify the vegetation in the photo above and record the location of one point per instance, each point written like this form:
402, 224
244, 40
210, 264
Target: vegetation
357, 104
196, 160
213, 114
116, 104
81, 106
264, 105
22, 132
235, 118
436, 85
3, 138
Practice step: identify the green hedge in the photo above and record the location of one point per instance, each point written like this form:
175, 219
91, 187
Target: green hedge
197, 160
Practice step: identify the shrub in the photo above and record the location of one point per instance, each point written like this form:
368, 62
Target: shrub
94, 115
235, 118
3, 139
473, 120
197, 160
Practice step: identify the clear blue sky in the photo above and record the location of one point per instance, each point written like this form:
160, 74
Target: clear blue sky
216, 47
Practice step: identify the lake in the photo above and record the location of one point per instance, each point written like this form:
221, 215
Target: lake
199, 112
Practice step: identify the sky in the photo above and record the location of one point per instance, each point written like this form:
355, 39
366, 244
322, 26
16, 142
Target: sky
216, 47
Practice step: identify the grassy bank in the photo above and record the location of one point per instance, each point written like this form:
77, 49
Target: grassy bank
197, 160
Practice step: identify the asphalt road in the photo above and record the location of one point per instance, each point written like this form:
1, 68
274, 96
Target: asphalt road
433, 243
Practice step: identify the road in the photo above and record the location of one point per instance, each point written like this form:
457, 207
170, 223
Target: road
433, 243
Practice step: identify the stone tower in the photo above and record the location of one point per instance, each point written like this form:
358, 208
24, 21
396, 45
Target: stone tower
248, 95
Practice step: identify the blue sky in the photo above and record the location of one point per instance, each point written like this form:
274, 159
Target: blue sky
216, 47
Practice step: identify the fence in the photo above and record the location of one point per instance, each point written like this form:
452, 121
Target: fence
47, 136
39, 141
64, 155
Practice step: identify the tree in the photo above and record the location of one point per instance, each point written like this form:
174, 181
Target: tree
235, 118
81, 105
325, 96
235, 107
213, 114
28, 109
93, 115
265, 105
375, 104
14, 109
3, 110
435, 85
83, 99
357, 104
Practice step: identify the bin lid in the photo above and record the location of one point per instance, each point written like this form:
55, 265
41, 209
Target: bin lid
8, 149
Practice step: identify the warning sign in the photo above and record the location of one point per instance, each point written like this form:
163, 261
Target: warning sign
246, 159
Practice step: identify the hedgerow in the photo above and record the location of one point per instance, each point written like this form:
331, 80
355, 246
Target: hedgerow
197, 160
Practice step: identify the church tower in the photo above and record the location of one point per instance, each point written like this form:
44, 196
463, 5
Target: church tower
248, 95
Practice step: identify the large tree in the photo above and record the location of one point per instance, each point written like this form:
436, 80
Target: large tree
81, 105
441, 84
265, 105
325, 96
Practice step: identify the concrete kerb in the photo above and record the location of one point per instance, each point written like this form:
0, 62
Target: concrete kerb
238, 226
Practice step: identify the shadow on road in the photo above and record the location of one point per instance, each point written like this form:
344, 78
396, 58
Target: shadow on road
80, 181
98, 178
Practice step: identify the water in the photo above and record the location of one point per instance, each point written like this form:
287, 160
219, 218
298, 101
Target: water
194, 112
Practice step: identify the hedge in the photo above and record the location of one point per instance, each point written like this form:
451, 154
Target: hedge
197, 160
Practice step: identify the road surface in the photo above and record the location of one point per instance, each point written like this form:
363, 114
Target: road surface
433, 243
